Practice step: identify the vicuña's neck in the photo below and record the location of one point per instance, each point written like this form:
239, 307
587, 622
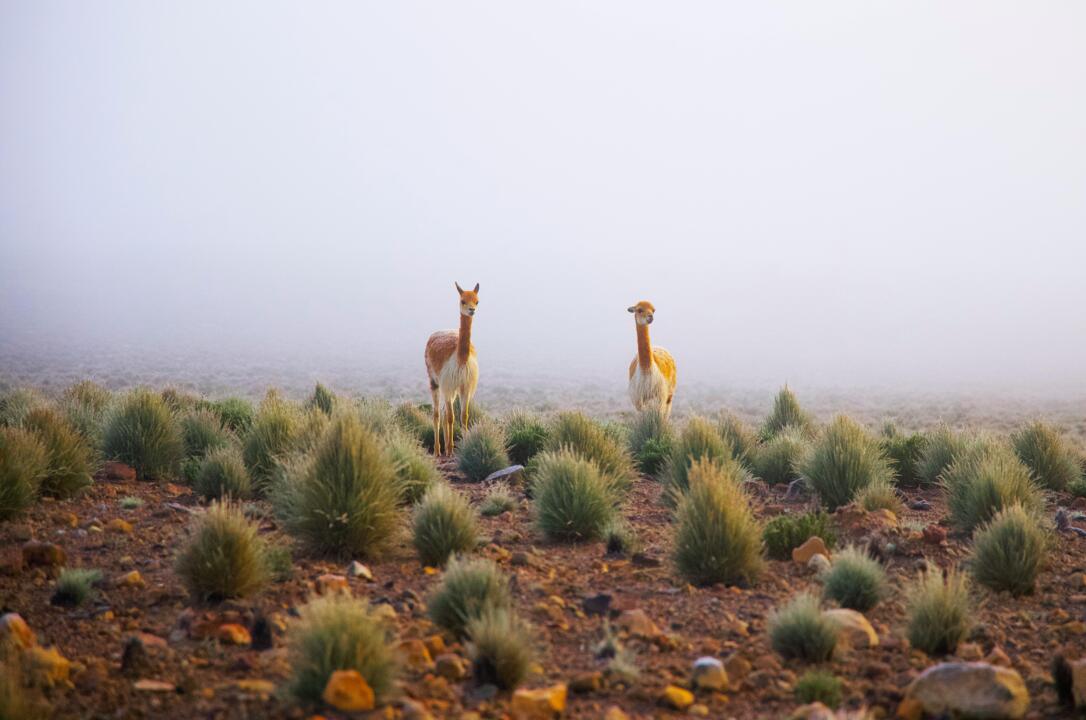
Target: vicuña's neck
463, 343
644, 348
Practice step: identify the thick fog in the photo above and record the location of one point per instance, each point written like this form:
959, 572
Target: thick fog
832, 193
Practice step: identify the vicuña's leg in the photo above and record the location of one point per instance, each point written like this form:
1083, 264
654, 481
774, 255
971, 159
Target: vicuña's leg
465, 407
435, 398
450, 429
667, 406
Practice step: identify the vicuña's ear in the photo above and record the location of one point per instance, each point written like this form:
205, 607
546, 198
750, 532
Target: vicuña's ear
632, 308
476, 287
458, 288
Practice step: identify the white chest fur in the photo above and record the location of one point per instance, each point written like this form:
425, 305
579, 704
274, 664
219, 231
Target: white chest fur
648, 388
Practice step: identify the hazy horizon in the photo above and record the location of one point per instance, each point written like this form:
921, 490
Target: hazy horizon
832, 195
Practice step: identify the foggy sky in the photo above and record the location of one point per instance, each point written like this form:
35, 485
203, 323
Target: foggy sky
825, 193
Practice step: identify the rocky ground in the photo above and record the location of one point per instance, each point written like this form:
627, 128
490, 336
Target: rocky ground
184, 665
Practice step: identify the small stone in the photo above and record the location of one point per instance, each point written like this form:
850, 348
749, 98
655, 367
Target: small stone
44, 554
436, 645
257, 687
855, 629
119, 525
676, 697
329, 583
70, 519
451, 667
47, 667
934, 534
586, 682
813, 546
416, 655
114, 470
233, 634
737, 667
969, 652
699, 709
385, 612
812, 711
357, 569
709, 674
130, 579
615, 713
599, 604
636, 622
818, 563
347, 690
970, 689
155, 686
540, 704
509, 473
14, 632
1075, 627
920, 504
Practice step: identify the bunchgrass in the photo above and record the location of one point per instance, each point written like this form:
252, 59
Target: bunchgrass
143, 433
416, 422
338, 632
444, 523
855, 580
469, 587
799, 631
904, 453
23, 463
592, 441
15, 404
620, 538
202, 431
879, 495
75, 586
130, 502
415, 467
844, 460
784, 533
786, 413
1009, 552
525, 436
819, 686
224, 557
572, 499
500, 647
499, 500
941, 446
775, 461
236, 414
650, 440
740, 437
343, 500
222, 474
322, 399
482, 451
985, 479
86, 406
698, 440
717, 538
938, 610
273, 434
1048, 456
69, 457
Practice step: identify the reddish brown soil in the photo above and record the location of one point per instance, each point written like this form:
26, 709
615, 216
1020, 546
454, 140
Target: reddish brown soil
549, 591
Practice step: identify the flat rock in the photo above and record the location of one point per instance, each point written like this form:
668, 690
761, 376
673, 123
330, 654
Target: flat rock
156, 686
44, 554
504, 474
541, 704
113, 470
818, 563
972, 689
636, 622
357, 569
329, 583
855, 629
348, 691
676, 697
813, 546
812, 711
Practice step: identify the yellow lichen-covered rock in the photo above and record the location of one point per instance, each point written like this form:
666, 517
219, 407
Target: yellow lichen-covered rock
347, 690
540, 704
677, 697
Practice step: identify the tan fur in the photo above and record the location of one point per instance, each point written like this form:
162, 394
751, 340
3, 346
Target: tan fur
453, 371
653, 374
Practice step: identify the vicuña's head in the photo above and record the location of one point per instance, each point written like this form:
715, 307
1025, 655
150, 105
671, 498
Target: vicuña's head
643, 312
469, 299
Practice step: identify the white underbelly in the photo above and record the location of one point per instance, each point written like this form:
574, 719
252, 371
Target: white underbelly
455, 377
648, 388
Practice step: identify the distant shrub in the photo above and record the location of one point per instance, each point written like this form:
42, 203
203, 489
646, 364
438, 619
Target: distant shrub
481, 451
879, 495
784, 533
572, 499
415, 467
941, 447
938, 608
322, 399
1048, 456
500, 648
180, 401
775, 462
740, 437
444, 524
1009, 552
223, 474
843, 461
1078, 488
905, 453
225, 555
202, 431
985, 480
717, 538
469, 588
499, 499
620, 538
236, 414
417, 423
14, 405
143, 433
23, 463
280, 562
650, 440
698, 440
338, 632
526, 436
86, 406
592, 441
800, 631
855, 580
819, 686
786, 413
75, 587
344, 500
68, 455
273, 434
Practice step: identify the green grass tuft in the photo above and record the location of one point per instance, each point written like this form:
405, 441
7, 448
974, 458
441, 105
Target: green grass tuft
776, 460
1009, 552
785, 533
273, 435
905, 453
984, 480
941, 446
621, 539
786, 413
143, 433
130, 502
75, 587
698, 440
415, 469
500, 648
650, 440
855, 580
69, 457
573, 501
224, 557
416, 422
223, 474
938, 610
819, 686
879, 495
469, 588
717, 538
526, 435
236, 414
482, 451
444, 524
742, 439
86, 405
499, 500
14, 405
800, 631
24, 461
202, 431
1047, 455
592, 441
843, 460
322, 399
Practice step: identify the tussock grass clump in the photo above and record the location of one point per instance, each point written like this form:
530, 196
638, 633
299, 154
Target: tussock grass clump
75, 586
819, 686
1048, 456
785, 533
942, 445
984, 480
415, 467
786, 413
1078, 488
469, 587
202, 431
68, 455
236, 414
800, 631
130, 502
280, 561
224, 557
344, 500
500, 648
222, 474
86, 406
938, 608
322, 399
23, 463
905, 453
499, 499
416, 422
650, 440
843, 461
481, 451
444, 524
741, 437
180, 401
620, 538
880, 495
1009, 552
855, 580
592, 441
775, 462
698, 440
526, 436
717, 538
338, 632
572, 499
273, 434
143, 433
14, 405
